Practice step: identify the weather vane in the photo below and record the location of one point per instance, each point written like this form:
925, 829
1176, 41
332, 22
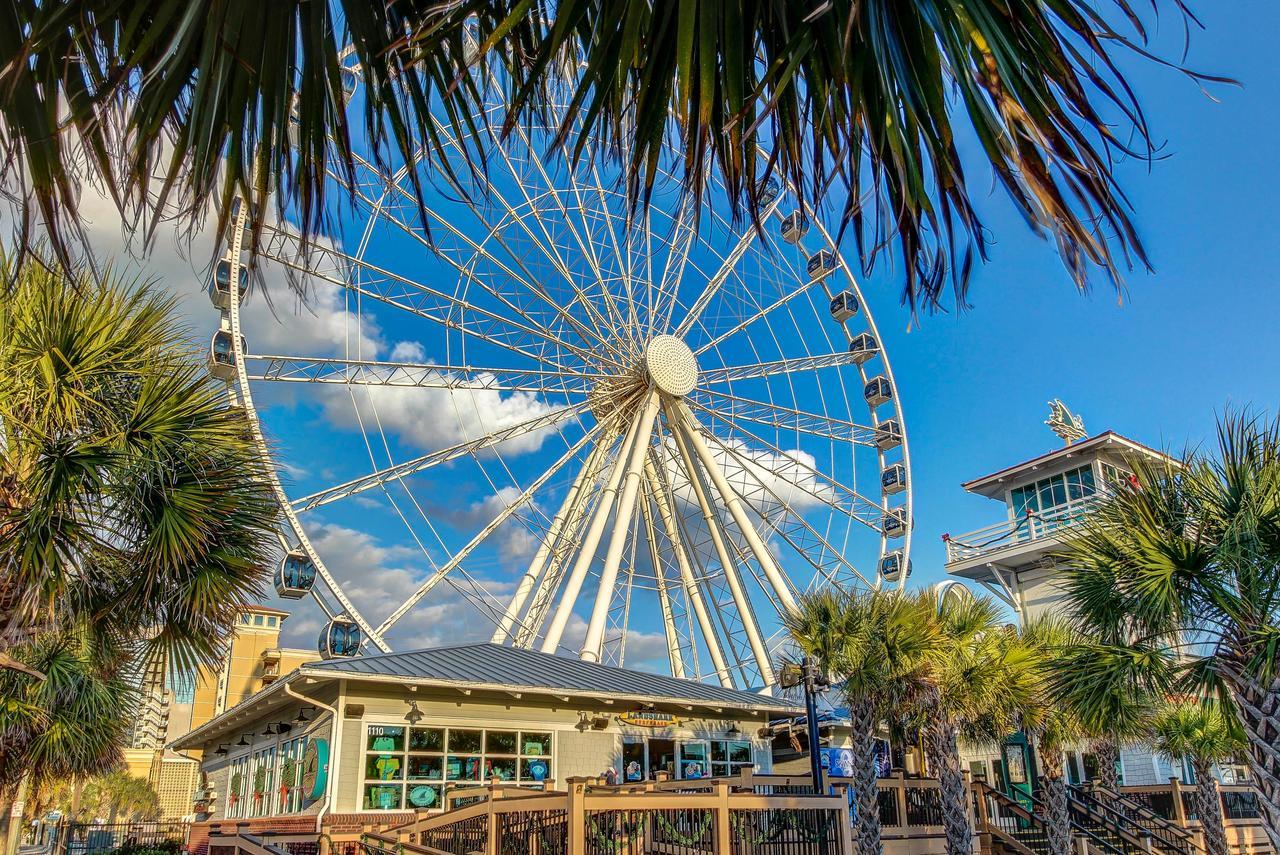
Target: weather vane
1064, 423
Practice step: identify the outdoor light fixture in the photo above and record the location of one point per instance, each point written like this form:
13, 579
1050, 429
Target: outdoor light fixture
733, 730
584, 722
302, 715
414, 715
242, 743
270, 731
222, 750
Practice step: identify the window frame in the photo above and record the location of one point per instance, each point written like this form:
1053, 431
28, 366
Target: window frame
447, 750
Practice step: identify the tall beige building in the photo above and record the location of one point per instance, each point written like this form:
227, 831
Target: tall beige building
174, 705
254, 661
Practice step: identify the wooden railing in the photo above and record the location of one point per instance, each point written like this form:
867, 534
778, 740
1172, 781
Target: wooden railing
1175, 803
721, 816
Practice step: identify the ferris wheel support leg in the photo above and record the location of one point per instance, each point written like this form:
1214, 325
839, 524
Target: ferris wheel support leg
642, 433
539, 562
591, 542
727, 563
687, 578
669, 629
737, 511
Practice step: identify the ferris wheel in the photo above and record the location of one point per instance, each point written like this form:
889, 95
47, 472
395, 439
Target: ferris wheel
680, 421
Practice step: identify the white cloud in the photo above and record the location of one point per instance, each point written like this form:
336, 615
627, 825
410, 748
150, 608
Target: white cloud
432, 419
409, 351
379, 577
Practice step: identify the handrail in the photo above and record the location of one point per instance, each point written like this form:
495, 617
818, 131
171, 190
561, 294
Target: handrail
1131, 842
991, 803
1157, 826
1031, 526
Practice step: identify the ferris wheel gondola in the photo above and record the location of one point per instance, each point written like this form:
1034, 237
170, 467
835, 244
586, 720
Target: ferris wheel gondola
697, 420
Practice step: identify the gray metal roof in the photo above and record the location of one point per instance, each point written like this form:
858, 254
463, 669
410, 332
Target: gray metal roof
498, 666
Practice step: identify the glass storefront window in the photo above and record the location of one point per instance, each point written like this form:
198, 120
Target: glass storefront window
407, 767
290, 775
728, 756
262, 784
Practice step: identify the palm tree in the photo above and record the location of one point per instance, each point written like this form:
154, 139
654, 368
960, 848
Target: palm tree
1188, 561
868, 98
119, 792
873, 645
981, 678
134, 519
1206, 735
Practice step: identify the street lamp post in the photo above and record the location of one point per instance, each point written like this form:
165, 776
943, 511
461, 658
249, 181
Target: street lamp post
809, 675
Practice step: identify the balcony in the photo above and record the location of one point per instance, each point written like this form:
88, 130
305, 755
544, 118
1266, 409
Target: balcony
1016, 541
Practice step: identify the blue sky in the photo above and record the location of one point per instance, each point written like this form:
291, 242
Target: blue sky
1195, 336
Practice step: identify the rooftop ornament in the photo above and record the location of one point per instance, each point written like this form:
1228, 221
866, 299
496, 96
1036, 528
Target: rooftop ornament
1068, 426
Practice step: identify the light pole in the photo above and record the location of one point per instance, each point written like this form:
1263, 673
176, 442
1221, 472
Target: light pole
809, 675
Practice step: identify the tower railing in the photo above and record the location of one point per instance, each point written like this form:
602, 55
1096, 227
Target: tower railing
1030, 527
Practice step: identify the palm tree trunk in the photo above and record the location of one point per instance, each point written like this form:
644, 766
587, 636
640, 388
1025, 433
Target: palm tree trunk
944, 756
1055, 800
1107, 752
1209, 809
1259, 710
866, 791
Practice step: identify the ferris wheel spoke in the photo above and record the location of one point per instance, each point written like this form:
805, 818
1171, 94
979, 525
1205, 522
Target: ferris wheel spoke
759, 314
594, 640
777, 366
783, 418
478, 249
361, 372
689, 581
686, 234
547, 545
544, 421
717, 280
506, 513
837, 495
791, 525
447, 310
720, 542
602, 331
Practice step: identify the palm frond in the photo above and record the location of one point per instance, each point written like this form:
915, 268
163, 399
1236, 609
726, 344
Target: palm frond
169, 106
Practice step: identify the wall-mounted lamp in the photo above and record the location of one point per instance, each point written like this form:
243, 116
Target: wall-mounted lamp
222, 750
414, 715
733, 730
242, 743
589, 721
302, 715
270, 731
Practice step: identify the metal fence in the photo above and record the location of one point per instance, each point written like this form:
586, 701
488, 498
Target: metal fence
87, 838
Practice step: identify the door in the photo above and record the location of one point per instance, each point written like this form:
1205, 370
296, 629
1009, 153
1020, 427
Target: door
633, 762
662, 757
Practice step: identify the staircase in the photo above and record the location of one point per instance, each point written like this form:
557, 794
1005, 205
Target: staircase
1097, 827
1167, 837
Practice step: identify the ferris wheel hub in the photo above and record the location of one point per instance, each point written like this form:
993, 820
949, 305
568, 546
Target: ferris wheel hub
671, 365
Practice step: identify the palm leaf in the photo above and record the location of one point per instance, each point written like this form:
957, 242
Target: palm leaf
171, 106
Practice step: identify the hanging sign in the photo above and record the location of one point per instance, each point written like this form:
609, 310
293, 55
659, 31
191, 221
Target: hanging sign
315, 768
648, 718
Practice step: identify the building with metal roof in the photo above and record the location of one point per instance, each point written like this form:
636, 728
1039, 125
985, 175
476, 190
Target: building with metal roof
396, 731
